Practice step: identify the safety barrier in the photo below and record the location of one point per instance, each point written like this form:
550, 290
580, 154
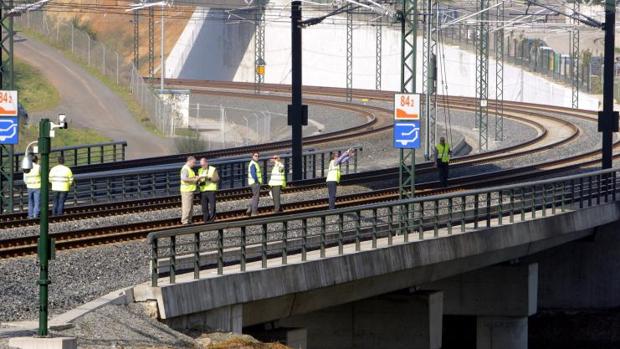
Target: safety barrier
89, 154
308, 235
165, 180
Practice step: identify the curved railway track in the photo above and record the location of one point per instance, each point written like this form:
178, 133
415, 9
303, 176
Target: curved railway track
527, 113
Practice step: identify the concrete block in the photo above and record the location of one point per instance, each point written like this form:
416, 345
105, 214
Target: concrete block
297, 338
501, 333
43, 343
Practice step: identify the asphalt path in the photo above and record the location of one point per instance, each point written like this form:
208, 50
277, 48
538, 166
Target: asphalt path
88, 103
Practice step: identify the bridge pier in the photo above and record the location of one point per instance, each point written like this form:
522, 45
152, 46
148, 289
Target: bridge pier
501, 297
412, 321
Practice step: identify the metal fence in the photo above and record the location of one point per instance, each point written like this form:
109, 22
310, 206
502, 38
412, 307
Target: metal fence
88, 154
233, 126
67, 36
325, 233
164, 181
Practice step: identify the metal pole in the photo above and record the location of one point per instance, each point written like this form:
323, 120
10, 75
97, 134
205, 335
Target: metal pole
349, 72
136, 38
608, 119
163, 62
378, 54
574, 59
482, 77
297, 112
151, 42
44, 242
499, 75
7, 80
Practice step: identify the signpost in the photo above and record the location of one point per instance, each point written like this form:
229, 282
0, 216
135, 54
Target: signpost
9, 136
406, 121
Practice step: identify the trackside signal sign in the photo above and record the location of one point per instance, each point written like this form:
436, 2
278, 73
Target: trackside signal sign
406, 107
8, 103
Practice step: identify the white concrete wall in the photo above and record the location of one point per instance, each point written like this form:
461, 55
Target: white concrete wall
224, 51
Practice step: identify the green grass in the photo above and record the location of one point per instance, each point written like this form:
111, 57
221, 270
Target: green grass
64, 138
35, 91
123, 92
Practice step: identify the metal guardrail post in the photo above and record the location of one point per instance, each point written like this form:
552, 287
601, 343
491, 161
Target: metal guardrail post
512, 205
322, 164
390, 219
358, 217
196, 256
420, 223
554, 198
263, 251
173, 259
563, 197
304, 239
284, 241
340, 234
590, 191
598, 187
450, 207
242, 249
544, 200
476, 204
436, 218
323, 229
408, 219
613, 192
220, 252
488, 197
463, 212
374, 228
154, 259
581, 192
500, 209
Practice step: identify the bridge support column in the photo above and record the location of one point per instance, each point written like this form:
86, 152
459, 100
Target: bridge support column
501, 297
412, 321
501, 332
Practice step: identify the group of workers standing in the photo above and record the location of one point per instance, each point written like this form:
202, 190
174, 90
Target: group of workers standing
207, 178
60, 177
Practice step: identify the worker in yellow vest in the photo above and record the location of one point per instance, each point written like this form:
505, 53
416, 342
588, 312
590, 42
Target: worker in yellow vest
61, 178
277, 182
32, 179
333, 174
208, 187
255, 179
442, 155
188, 187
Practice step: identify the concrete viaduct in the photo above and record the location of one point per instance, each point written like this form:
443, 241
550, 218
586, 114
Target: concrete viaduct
387, 292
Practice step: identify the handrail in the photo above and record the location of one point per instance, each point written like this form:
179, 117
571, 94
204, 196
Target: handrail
87, 154
306, 231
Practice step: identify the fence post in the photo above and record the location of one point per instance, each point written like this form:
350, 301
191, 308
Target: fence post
88, 36
116, 68
72, 51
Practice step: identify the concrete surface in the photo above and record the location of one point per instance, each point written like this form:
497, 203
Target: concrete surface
501, 333
87, 102
43, 343
412, 321
297, 288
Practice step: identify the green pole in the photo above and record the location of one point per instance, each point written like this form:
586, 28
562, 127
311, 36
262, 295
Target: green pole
44, 241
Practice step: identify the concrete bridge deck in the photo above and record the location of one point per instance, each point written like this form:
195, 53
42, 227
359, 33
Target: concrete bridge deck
269, 290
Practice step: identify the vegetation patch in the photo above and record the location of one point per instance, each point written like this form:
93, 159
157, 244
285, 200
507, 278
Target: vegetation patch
64, 138
36, 93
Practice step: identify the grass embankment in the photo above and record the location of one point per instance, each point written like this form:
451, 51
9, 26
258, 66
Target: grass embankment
122, 91
37, 94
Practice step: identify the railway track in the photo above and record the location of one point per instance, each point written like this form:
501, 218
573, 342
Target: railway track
100, 235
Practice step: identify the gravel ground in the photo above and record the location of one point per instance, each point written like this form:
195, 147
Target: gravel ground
85, 274
108, 267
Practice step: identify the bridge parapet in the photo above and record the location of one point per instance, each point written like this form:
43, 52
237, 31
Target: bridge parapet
231, 247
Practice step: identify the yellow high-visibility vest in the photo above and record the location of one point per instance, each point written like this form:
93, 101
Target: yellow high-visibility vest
61, 178
207, 185
188, 187
32, 179
259, 174
443, 152
333, 173
278, 177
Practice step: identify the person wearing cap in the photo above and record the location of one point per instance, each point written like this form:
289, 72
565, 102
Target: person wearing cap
255, 180
277, 182
208, 186
32, 179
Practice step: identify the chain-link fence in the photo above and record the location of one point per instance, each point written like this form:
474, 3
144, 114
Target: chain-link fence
223, 126
67, 36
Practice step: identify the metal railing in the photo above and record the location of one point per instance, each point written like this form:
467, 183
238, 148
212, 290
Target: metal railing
326, 233
88, 154
162, 181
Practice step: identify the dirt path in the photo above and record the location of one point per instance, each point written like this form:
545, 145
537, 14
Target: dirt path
88, 102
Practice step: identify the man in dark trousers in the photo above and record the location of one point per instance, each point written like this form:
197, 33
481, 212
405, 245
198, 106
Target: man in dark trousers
442, 155
208, 187
255, 180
